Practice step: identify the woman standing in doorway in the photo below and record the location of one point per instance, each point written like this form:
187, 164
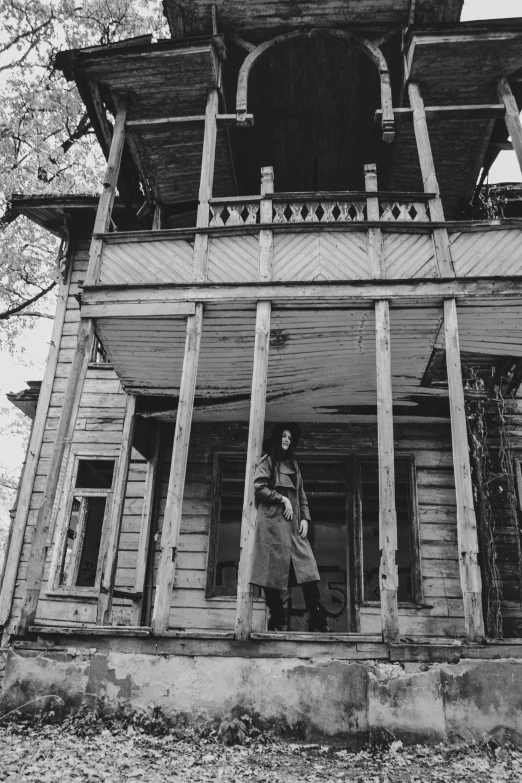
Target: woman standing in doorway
282, 553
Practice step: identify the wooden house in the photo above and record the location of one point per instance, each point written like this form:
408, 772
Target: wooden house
294, 238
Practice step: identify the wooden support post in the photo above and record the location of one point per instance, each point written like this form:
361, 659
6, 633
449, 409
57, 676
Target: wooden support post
111, 538
389, 581
512, 116
467, 536
74, 384
149, 508
14, 550
266, 237
429, 178
206, 182
172, 518
157, 220
255, 442
375, 243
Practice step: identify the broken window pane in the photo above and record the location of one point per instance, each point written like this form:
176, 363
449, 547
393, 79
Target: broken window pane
95, 473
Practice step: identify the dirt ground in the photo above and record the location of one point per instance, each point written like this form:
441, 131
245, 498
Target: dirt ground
50, 753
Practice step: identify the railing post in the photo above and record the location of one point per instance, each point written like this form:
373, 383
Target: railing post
440, 235
266, 240
467, 536
512, 116
111, 538
255, 441
206, 182
388, 576
74, 388
178, 467
375, 245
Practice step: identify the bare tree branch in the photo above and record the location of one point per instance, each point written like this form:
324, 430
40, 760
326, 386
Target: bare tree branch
19, 308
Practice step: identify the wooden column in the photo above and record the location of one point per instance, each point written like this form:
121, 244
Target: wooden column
375, 243
512, 117
206, 182
144, 565
266, 237
172, 518
14, 550
440, 235
255, 442
74, 384
111, 538
467, 536
388, 576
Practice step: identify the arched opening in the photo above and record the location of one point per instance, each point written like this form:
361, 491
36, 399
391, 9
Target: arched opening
313, 101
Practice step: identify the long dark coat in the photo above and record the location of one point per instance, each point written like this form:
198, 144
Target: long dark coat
277, 540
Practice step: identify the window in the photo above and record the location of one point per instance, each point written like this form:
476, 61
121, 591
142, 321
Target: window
407, 543
343, 495
87, 508
98, 353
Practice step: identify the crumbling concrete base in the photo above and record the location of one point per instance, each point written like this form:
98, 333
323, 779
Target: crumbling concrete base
333, 700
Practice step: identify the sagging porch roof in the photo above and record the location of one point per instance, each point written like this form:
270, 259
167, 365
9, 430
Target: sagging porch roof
322, 354
262, 19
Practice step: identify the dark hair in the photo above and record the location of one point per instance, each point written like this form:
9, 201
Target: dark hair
272, 447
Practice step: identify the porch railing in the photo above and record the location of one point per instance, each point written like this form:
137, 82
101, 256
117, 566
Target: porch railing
332, 207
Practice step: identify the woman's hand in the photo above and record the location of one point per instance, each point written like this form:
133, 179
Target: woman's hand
303, 528
288, 512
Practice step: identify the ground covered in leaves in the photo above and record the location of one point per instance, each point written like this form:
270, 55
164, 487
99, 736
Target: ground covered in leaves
73, 754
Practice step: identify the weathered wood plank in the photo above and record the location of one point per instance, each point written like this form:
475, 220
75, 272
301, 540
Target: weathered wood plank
512, 116
243, 623
466, 521
388, 575
173, 511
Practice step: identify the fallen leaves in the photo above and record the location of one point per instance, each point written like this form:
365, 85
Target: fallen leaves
48, 754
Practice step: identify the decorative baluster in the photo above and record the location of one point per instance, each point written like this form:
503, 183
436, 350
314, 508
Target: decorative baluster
216, 211
387, 213
359, 208
404, 211
296, 216
328, 210
344, 214
279, 208
234, 211
312, 211
422, 211
253, 210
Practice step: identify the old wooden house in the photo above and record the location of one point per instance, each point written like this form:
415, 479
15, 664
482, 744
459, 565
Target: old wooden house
291, 228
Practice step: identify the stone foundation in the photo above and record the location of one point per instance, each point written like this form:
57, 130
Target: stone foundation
317, 699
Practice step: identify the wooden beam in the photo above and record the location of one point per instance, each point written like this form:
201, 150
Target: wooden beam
313, 292
110, 181
467, 536
375, 242
266, 237
431, 185
208, 158
388, 575
162, 123
255, 442
172, 518
512, 116
14, 550
485, 111
147, 518
111, 537
145, 310
39, 544
74, 387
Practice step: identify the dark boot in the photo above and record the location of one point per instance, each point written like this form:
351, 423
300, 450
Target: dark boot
277, 620
317, 621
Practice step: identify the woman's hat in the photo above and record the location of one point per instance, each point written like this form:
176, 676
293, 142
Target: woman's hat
277, 434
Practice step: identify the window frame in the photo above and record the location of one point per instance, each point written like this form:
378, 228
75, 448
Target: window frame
415, 542
61, 526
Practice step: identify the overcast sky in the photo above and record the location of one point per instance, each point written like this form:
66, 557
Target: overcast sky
35, 345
